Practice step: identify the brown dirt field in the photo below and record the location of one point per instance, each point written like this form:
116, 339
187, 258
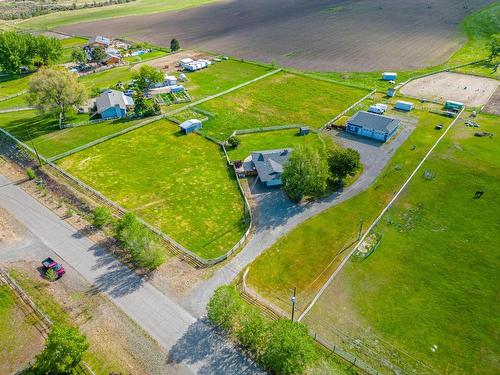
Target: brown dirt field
323, 35
493, 105
470, 90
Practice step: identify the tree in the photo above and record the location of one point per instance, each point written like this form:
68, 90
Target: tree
494, 47
305, 174
289, 348
55, 90
147, 76
79, 56
343, 162
175, 45
51, 275
64, 349
47, 50
100, 217
234, 141
98, 54
145, 107
14, 51
224, 306
252, 329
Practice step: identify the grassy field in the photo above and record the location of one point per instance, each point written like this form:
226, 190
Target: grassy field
134, 8
305, 257
431, 288
16, 102
178, 183
48, 139
68, 45
221, 76
477, 27
107, 78
16, 349
147, 56
282, 99
273, 140
12, 84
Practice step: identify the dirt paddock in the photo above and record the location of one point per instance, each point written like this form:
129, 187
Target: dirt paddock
323, 35
470, 90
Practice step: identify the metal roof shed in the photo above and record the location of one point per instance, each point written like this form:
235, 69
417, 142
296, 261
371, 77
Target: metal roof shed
190, 126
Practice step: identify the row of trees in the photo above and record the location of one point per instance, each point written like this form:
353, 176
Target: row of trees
310, 170
26, 50
281, 346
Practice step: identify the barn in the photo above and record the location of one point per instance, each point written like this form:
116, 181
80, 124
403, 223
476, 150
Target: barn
190, 126
372, 125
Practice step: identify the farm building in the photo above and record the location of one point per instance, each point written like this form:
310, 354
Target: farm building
372, 125
190, 126
113, 104
170, 80
378, 108
185, 62
304, 130
113, 59
403, 106
99, 41
269, 165
389, 76
453, 105
391, 91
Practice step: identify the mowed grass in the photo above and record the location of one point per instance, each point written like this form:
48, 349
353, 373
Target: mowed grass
134, 8
273, 140
12, 84
431, 288
222, 76
146, 56
15, 102
20, 341
306, 256
282, 99
180, 184
49, 140
107, 78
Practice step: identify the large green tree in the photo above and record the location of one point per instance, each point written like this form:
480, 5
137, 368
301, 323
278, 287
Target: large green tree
55, 90
47, 50
98, 54
64, 349
147, 76
174, 45
223, 307
306, 173
79, 56
343, 162
494, 46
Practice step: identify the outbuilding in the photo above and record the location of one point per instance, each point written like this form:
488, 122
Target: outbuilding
389, 76
170, 80
304, 130
453, 105
403, 106
113, 104
99, 41
373, 126
391, 91
190, 126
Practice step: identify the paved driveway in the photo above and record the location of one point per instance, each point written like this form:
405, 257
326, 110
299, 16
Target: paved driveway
193, 346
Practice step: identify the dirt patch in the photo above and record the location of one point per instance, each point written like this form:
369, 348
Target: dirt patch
493, 105
342, 35
470, 90
169, 62
10, 230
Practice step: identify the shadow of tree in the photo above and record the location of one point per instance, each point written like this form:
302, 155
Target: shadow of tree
116, 280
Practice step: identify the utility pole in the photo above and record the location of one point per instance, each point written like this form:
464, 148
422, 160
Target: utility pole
360, 230
294, 301
34, 148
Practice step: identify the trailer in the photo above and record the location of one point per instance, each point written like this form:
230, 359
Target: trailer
453, 105
389, 76
403, 106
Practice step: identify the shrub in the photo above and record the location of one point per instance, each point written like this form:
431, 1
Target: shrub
343, 162
252, 329
64, 349
153, 256
51, 275
234, 141
174, 45
101, 217
289, 349
224, 306
30, 173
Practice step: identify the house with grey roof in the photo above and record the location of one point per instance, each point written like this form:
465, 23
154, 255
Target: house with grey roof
270, 164
372, 125
99, 41
113, 104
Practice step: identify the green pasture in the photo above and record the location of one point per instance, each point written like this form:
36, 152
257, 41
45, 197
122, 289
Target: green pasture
147, 56
306, 256
273, 140
430, 290
134, 8
107, 78
73, 42
15, 102
12, 84
282, 99
48, 139
180, 184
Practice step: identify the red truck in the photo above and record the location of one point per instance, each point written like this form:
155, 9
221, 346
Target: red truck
50, 263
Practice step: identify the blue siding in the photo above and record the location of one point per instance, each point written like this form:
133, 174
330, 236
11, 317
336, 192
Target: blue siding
370, 133
192, 128
114, 112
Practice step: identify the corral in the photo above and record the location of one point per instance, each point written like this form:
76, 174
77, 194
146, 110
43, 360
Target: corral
368, 35
470, 90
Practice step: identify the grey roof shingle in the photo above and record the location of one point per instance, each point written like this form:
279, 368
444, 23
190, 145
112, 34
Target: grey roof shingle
373, 121
269, 164
112, 98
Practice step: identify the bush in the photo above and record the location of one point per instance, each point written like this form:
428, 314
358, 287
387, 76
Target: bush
51, 275
343, 162
30, 173
153, 256
234, 141
174, 45
252, 329
224, 306
101, 217
289, 349
64, 349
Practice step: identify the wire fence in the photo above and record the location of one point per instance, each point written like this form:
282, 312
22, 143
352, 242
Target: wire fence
46, 323
332, 121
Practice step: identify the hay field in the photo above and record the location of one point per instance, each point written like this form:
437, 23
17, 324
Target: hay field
319, 35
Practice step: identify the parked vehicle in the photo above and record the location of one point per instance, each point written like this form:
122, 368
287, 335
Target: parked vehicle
50, 263
376, 109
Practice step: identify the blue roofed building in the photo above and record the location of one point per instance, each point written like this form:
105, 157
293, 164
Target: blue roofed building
372, 125
270, 164
113, 104
190, 126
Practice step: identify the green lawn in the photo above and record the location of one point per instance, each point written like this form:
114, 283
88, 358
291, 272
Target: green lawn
178, 183
147, 56
19, 338
282, 99
12, 84
222, 76
73, 42
133, 8
305, 257
431, 288
16, 102
273, 140
49, 140
107, 78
